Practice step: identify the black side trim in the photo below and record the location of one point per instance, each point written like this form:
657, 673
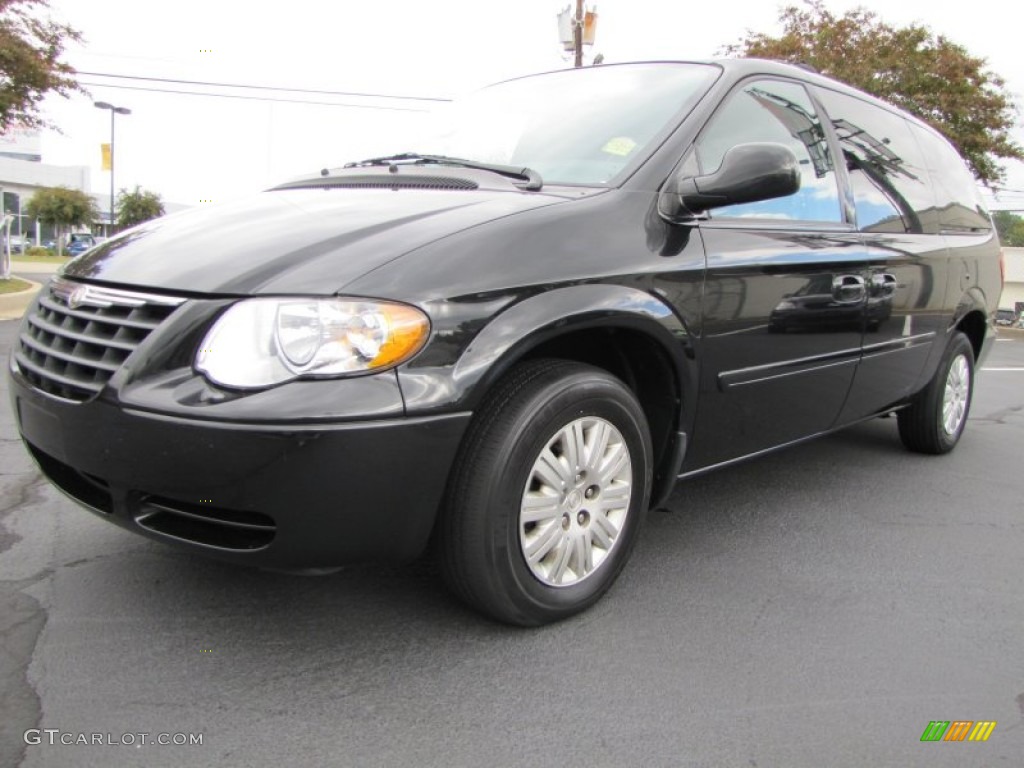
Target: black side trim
761, 373
898, 345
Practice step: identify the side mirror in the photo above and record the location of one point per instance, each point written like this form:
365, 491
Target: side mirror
749, 173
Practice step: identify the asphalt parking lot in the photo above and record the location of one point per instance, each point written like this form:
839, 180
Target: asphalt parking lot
817, 607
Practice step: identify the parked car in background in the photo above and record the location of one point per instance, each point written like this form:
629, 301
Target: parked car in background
1005, 316
77, 243
515, 340
19, 243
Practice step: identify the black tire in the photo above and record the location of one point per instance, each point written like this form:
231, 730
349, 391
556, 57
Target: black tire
481, 537
926, 426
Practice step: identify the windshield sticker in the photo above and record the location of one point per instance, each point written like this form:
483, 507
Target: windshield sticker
619, 146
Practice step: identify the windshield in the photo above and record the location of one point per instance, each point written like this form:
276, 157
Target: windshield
573, 127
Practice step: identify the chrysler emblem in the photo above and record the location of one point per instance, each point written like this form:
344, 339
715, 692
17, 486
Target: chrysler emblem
77, 297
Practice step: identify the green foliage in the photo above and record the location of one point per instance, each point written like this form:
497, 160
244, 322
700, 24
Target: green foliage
62, 207
137, 206
14, 285
37, 251
30, 65
927, 75
1010, 228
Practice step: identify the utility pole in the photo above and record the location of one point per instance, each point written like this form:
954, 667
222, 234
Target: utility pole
577, 29
577, 34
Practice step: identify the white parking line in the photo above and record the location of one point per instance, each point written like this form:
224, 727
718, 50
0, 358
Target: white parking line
1004, 370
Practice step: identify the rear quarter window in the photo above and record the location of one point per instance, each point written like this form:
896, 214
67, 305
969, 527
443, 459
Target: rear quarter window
957, 197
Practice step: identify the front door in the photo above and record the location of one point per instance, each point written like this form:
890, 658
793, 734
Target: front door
787, 284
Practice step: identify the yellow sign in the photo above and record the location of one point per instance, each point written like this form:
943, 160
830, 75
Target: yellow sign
620, 145
105, 153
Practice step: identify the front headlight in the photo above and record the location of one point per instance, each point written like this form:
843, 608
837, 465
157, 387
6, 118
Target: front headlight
262, 342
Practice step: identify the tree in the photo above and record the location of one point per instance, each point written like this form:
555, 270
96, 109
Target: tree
927, 75
138, 206
30, 65
62, 207
1010, 228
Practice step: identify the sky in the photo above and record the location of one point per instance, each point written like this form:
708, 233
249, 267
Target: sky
192, 149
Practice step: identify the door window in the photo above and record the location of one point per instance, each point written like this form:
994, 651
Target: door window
887, 169
779, 112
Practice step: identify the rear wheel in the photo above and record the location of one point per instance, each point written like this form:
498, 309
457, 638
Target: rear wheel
548, 493
937, 416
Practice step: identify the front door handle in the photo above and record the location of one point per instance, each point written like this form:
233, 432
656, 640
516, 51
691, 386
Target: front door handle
848, 289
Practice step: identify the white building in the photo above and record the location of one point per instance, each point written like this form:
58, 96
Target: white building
1013, 288
22, 172
19, 179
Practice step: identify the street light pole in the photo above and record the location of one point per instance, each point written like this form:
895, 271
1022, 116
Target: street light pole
113, 111
5, 269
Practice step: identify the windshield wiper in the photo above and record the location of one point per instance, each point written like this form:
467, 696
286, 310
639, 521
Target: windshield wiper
530, 176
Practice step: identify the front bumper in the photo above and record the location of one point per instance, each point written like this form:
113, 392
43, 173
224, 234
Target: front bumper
269, 494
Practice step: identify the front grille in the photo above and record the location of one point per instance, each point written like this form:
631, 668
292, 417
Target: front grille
77, 335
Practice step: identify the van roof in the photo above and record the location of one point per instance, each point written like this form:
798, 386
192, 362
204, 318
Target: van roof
739, 68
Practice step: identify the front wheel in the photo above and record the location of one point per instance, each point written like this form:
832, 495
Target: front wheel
937, 416
548, 493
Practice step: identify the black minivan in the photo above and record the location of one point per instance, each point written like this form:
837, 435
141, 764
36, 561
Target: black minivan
513, 339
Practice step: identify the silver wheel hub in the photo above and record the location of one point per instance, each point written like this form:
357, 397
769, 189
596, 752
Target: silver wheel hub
575, 502
956, 395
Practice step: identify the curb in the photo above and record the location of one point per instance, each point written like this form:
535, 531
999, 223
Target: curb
13, 305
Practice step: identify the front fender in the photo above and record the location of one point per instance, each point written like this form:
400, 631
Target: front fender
524, 325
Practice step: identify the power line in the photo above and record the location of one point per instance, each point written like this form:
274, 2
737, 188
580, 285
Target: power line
174, 81
253, 98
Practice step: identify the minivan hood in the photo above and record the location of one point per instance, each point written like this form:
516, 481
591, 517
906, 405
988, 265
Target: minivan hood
291, 241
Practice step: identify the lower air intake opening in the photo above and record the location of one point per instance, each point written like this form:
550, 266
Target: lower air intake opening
205, 524
86, 489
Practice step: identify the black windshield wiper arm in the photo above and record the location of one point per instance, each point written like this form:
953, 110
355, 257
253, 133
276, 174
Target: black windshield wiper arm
530, 176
